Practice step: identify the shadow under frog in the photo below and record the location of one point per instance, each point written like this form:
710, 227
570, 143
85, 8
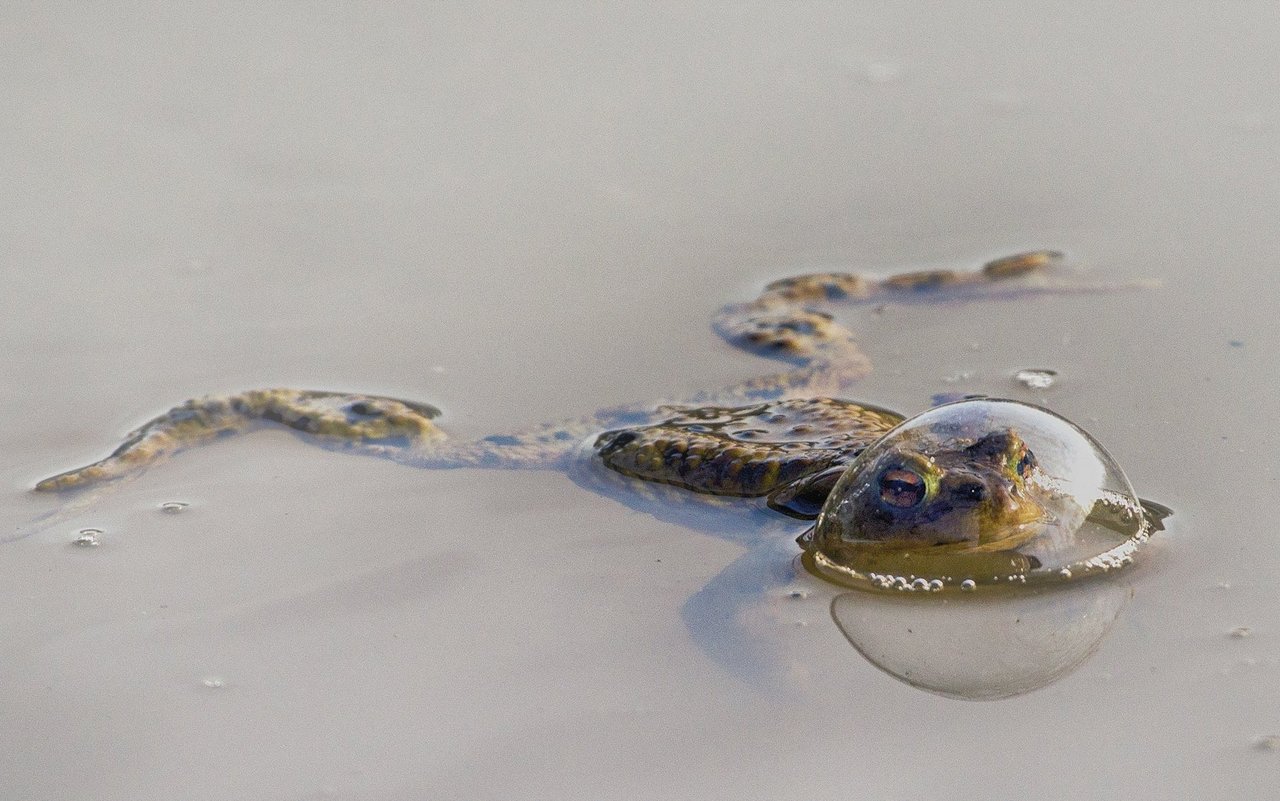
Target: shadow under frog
772, 447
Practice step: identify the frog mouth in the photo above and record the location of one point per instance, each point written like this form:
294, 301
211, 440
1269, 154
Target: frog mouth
1012, 537
1007, 537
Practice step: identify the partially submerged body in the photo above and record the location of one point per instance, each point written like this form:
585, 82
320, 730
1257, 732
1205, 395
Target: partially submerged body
783, 437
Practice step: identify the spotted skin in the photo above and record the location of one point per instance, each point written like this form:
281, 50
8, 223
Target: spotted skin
353, 420
747, 440
745, 450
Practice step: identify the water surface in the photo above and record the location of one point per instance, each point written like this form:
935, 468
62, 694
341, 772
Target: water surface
525, 213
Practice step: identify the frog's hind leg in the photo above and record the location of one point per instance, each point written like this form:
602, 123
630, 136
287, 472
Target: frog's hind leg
400, 430
789, 319
330, 417
548, 446
786, 323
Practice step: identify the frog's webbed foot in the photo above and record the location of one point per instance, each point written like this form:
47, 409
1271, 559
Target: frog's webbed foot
1039, 272
785, 318
340, 419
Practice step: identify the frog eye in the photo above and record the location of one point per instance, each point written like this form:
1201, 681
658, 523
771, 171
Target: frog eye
902, 488
1026, 464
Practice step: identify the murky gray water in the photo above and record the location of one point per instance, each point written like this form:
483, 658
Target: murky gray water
525, 213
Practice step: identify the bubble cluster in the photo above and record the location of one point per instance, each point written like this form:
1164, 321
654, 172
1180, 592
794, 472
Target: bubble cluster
905, 583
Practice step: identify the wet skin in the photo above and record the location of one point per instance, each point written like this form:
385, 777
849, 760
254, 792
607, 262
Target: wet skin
781, 437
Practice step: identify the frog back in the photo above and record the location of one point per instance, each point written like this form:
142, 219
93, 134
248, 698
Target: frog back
744, 451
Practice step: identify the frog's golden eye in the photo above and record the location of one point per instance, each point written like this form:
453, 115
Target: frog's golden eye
1026, 464
902, 488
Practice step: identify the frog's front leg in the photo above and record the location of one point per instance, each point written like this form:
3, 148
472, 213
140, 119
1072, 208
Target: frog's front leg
351, 420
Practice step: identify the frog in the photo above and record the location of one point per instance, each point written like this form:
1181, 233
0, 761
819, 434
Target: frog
787, 439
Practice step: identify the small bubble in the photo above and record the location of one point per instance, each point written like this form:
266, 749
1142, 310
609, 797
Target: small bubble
1065, 572
958, 376
800, 594
920, 584
213, 682
1236, 343
1268, 742
968, 585
1240, 632
173, 507
1036, 378
88, 538
935, 585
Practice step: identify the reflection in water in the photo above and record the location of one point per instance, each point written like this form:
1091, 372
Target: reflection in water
982, 647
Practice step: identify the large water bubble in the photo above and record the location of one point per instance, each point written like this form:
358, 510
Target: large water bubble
982, 646
974, 494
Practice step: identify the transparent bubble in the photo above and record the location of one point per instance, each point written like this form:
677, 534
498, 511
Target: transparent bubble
88, 538
1036, 378
984, 646
979, 493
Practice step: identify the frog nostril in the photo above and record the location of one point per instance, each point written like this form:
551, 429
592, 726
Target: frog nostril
613, 441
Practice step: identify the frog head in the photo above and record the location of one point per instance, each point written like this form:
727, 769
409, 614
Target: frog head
947, 494
977, 495
979, 491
